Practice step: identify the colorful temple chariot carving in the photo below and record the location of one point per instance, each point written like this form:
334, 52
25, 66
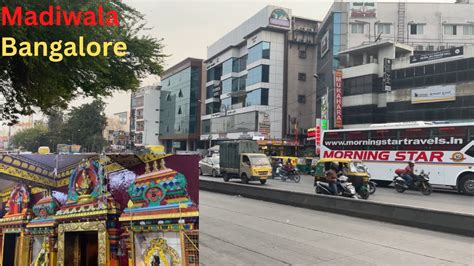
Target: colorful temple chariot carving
160, 217
13, 227
43, 231
72, 212
89, 208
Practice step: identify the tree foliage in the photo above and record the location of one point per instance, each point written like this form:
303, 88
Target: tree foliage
83, 126
31, 139
28, 82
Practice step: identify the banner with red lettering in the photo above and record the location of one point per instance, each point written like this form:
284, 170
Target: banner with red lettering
338, 99
402, 156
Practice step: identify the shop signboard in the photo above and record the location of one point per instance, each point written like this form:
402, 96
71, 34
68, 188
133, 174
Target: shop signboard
432, 94
264, 124
324, 107
325, 44
455, 51
387, 74
338, 99
279, 17
362, 9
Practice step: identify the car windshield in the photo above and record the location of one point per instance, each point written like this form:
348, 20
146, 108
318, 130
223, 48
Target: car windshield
357, 167
259, 160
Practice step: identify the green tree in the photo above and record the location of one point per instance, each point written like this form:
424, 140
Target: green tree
55, 128
31, 139
55, 120
29, 82
85, 126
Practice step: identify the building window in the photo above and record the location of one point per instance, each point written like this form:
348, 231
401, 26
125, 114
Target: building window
430, 48
383, 28
180, 94
169, 82
258, 74
259, 51
235, 84
236, 65
226, 104
214, 73
301, 98
243, 63
227, 66
257, 97
239, 101
419, 48
212, 108
168, 97
357, 28
468, 30
416, 29
242, 83
450, 29
302, 76
209, 92
302, 54
226, 86
180, 111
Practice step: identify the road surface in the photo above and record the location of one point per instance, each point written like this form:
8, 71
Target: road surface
241, 231
438, 201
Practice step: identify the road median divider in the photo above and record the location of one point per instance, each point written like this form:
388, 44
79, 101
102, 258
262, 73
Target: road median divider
443, 221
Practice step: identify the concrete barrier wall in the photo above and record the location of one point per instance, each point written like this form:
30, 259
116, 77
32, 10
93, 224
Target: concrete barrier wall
449, 222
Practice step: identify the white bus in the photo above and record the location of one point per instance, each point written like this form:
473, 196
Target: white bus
446, 151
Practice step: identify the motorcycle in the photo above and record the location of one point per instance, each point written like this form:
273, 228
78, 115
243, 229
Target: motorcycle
291, 175
344, 187
372, 187
420, 182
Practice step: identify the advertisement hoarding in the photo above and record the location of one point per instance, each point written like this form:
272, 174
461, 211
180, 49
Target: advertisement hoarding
264, 124
432, 94
455, 51
362, 9
325, 44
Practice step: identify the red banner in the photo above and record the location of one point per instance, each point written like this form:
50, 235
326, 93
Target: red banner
318, 134
338, 99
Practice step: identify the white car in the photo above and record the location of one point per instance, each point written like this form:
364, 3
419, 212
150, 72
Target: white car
209, 166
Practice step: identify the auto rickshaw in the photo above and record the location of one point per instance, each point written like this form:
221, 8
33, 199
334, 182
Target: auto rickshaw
305, 164
284, 159
355, 171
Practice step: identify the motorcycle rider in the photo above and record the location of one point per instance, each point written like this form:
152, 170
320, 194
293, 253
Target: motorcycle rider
289, 166
275, 164
331, 177
408, 173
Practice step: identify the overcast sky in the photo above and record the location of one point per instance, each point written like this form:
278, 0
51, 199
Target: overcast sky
188, 27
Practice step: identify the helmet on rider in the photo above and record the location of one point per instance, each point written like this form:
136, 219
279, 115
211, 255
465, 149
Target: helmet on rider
411, 163
335, 166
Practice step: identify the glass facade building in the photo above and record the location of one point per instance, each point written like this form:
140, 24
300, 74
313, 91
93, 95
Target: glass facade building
180, 103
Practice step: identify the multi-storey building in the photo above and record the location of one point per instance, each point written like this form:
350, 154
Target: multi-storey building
144, 116
260, 81
116, 133
436, 86
424, 26
181, 90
